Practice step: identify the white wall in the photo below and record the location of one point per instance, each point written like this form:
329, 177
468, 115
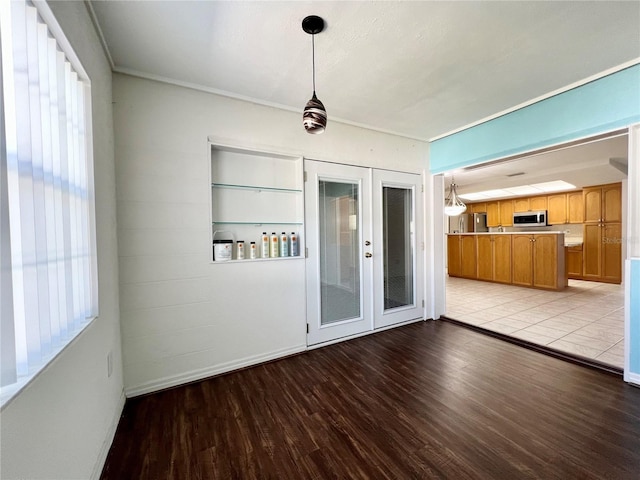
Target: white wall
62, 424
184, 318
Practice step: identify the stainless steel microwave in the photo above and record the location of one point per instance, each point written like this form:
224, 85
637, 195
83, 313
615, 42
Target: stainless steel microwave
530, 219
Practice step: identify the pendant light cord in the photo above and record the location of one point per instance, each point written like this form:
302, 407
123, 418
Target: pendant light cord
313, 61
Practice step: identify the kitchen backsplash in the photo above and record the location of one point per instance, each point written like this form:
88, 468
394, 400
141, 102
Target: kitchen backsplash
573, 230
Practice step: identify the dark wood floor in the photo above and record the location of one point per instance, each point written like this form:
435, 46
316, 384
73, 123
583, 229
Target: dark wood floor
428, 400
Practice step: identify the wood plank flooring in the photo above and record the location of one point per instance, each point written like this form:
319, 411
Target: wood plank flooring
428, 400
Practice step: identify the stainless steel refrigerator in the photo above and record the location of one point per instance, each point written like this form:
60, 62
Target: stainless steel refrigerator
468, 222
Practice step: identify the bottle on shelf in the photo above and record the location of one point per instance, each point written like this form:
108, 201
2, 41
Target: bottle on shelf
273, 253
252, 250
284, 245
293, 251
265, 245
240, 250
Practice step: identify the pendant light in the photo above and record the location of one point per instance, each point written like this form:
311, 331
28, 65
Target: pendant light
453, 206
314, 117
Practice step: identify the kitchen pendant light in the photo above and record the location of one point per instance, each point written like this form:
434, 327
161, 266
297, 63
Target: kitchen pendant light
453, 206
314, 117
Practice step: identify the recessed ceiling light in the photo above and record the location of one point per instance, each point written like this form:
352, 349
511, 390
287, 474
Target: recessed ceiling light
535, 189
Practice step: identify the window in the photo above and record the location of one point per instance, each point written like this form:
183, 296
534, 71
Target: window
48, 277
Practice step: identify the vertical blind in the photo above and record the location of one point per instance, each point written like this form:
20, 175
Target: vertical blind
48, 233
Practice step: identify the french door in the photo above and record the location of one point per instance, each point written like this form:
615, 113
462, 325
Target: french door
363, 261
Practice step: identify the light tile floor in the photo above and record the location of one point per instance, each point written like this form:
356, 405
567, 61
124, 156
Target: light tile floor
586, 319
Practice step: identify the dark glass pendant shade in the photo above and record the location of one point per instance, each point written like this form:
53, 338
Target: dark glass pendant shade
314, 117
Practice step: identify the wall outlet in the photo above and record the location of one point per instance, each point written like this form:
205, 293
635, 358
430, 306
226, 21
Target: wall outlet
109, 363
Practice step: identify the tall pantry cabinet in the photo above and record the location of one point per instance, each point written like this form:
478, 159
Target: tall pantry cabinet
602, 236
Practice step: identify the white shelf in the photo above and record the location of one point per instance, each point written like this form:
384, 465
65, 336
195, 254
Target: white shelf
253, 192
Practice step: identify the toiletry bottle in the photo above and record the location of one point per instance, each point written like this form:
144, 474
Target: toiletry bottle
265, 245
274, 245
252, 250
294, 245
240, 250
284, 245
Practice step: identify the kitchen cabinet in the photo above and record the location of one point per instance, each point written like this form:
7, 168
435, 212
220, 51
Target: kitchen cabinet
538, 261
603, 203
468, 256
478, 207
531, 260
493, 214
461, 256
454, 259
255, 191
575, 207
538, 203
573, 256
506, 213
602, 252
602, 233
521, 204
557, 209
494, 258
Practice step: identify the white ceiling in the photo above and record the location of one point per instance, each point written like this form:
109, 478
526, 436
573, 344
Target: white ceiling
419, 69
594, 163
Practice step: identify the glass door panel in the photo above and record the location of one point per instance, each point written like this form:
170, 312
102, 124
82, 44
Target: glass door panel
397, 244
339, 251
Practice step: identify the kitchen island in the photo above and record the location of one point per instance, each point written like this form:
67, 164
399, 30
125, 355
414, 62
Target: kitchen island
528, 259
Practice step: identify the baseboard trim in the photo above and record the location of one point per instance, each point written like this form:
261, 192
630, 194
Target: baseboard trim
633, 379
108, 439
212, 371
576, 359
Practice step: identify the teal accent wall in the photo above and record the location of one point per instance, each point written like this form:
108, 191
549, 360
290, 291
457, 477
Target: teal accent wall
634, 316
602, 105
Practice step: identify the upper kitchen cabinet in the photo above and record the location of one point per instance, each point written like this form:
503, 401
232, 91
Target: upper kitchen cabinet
538, 203
521, 204
478, 207
506, 213
575, 207
557, 209
493, 214
603, 203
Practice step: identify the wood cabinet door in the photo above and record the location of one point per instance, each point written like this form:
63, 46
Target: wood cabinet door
592, 204
538, 203
454, 266
468, 255
575, 207
522, 273
557, 209
506, 213
591, 252
612, 203
502, 258
493, 214
574, 262
612, 252
521, 205
545, 261
478, 207
484, 245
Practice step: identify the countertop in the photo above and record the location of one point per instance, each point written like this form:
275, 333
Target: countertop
568, 241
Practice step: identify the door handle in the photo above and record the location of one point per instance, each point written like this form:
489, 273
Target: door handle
368, 255
367, 243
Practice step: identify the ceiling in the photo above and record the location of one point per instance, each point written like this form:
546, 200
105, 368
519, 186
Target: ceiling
592, 163
418, 69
